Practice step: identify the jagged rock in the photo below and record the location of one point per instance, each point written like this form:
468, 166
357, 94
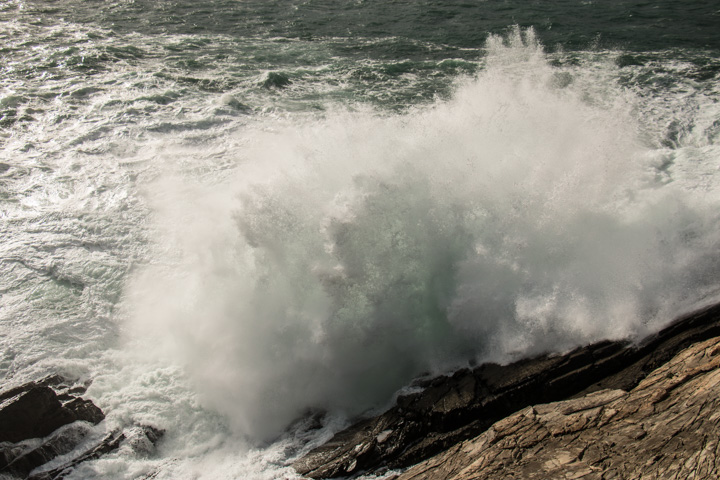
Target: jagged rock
59, 443
141, 439
36, 410
455, 408
41, 420
665, 427
109, 443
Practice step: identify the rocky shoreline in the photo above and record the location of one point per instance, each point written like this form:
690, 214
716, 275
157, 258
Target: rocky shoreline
666, 427
613, 409
47, 419
454, 414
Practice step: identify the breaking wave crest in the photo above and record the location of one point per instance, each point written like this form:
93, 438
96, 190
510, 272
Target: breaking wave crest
348, 254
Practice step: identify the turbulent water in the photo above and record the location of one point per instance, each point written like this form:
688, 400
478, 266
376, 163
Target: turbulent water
229, 213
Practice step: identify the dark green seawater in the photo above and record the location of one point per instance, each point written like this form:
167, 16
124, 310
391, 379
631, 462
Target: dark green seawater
227, 213
353, 51
570, 24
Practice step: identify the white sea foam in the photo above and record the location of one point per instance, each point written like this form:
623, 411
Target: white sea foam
349, 254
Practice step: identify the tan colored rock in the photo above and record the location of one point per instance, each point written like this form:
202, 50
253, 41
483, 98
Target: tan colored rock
667, 427
448, 410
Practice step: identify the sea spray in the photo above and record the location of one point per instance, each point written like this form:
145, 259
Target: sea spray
349, 253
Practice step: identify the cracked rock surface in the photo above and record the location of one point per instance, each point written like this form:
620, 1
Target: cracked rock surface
665, 427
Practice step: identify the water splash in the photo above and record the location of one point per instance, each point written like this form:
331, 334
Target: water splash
351, 253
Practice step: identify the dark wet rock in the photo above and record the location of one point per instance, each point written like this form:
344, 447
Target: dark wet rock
11, 451
63, 441
45, 419
41, 420
142, 439
452, 409
36, 409
34, 412
109, 443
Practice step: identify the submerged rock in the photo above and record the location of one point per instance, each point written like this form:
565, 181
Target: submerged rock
41, 420
141, 439
276, 80
27, 457
452, 409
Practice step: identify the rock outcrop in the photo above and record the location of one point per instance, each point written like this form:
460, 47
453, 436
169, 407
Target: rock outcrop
457, 408
42, 420
23, 458
141, 439
666, 427
36, 410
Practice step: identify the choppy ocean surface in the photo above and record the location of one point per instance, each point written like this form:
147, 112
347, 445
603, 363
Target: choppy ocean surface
229, 213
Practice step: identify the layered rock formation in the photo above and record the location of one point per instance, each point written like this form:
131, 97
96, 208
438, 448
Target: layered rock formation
666, 427
460, 408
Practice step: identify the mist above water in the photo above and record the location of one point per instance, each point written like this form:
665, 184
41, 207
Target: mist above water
349, 253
